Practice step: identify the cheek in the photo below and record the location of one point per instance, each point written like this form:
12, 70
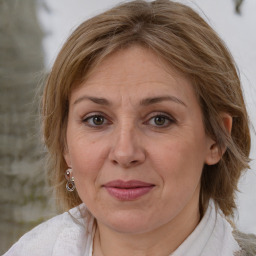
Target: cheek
180, 167
87, 160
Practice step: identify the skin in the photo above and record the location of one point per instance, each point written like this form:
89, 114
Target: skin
161, 142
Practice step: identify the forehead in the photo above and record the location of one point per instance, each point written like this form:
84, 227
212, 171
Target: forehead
134, 71
131, 62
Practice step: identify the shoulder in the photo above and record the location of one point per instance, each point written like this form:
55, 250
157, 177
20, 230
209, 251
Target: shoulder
61, 233
44, 234
247, 242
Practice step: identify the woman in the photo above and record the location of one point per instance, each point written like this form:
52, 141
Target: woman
147, 133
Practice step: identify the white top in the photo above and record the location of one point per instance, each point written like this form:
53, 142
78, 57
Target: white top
71, 233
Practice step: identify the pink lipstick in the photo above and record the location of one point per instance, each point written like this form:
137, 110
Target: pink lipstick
128, 190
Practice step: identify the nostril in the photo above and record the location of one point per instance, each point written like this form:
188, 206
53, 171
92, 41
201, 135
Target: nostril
114, 162
125, 164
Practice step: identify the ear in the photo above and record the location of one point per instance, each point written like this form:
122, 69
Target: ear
214, 153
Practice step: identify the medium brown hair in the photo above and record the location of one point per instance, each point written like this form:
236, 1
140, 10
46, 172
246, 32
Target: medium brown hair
179, 36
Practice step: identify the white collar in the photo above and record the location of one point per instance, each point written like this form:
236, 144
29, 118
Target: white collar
213, 236
76, 238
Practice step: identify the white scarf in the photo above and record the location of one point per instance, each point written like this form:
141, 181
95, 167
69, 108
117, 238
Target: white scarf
212, 237
72, 234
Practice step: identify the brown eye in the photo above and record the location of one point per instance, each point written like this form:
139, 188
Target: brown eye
98, 120
159, 120
95, 121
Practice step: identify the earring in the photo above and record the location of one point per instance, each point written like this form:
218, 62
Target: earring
70, 186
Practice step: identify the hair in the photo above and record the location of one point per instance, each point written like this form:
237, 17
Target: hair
180, 37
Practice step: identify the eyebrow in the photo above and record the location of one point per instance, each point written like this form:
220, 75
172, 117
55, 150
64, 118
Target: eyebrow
154, 100
100, 101
144, 102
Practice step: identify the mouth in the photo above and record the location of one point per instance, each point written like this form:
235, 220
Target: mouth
128, 190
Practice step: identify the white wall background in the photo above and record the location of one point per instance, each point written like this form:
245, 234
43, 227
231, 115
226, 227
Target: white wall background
239, 33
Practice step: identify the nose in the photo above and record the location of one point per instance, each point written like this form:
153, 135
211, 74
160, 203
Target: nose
127, 150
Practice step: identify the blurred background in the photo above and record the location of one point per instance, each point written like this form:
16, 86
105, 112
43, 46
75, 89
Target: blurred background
31, 34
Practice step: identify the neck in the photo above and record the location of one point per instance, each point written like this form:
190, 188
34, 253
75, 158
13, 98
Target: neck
161, 241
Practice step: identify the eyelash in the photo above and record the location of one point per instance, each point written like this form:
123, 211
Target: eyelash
86, 120
167, 118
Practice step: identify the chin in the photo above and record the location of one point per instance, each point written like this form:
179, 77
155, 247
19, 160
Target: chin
129, 223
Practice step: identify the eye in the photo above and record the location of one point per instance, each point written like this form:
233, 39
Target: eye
161, 120
95, 120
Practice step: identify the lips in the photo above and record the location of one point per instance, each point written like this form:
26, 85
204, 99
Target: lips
128, 190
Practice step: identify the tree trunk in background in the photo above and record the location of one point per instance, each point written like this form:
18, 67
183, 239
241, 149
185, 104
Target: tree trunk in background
23, 199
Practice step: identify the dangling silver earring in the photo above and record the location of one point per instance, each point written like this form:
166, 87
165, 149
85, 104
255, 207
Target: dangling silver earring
70, 186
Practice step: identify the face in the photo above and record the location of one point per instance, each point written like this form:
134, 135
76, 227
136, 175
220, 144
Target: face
136, 143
